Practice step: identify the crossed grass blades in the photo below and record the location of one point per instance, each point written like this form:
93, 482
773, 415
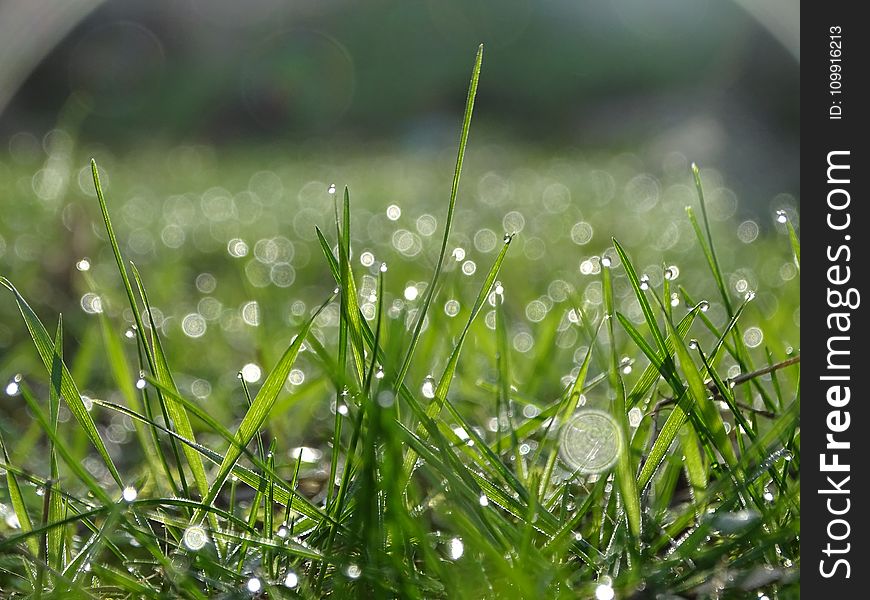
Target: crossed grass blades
424, 503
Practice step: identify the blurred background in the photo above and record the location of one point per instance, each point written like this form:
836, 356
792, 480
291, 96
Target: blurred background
220, 125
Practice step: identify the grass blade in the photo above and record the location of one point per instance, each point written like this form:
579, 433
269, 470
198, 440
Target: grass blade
45, 347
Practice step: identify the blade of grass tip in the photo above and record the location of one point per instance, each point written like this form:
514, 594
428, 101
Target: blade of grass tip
69, 391
430, 289
434, 408
260, 408
707, 245
350, 302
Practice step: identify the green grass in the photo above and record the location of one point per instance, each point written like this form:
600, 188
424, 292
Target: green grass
382, 442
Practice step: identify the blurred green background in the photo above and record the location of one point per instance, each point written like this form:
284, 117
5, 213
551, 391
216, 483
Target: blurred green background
220, 125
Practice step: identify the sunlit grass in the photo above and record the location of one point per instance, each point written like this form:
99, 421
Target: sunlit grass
293, 394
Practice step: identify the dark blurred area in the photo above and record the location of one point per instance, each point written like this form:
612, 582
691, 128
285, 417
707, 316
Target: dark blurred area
716, 81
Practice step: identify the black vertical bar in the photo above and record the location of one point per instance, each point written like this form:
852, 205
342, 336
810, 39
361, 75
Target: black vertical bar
835, 461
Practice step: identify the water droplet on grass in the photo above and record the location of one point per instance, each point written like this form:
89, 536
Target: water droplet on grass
130, 333
704, 305
331, 189
605, 261
781, 216
428, 388
383, 267
672, 272
254, 585
411, 293
251, 373
353, 571
635, 416
455, 548
644, 282
129, 494
291, 580
458, 254
483, 500
195, 537
12, 388
604, 591
84, 264
750, 296
590, 441
693, 344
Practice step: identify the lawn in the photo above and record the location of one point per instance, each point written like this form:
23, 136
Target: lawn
346, 371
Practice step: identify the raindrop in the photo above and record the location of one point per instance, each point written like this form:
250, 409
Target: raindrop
590, 442
140, 382
604, 592
768, 497
130, 333
750, 296
635, 416
781, 216
507, 238
12, 388
254, 585
693, 344
383, 267
306, 454
342, 409
379, 373
428, 388
331, 189
251, 373
644, 282
675, 299
498, 288
672, 272
83, 265
291, 580
605, 261
484, 501
195, 537
129, 494
455, 548
704, 305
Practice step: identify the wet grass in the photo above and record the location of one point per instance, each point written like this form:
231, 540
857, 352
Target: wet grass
353, 433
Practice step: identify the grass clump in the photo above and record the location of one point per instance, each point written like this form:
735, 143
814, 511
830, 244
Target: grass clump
418, 492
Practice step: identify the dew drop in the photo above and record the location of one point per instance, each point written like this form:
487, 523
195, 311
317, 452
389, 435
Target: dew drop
605, 261
140, 382
428, 388
195, 537
342, 409
484, 501
331, 189
254, 585
781, 216
635, 416
704, 305
379, 373
130, 333
12, 388
672, 272
251, 373
644, 282
291, 580
693, 344
84, 264
507, 238
129, 494
750, 296
353, 571
604, 592
383, 267
411, 293
455, 548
